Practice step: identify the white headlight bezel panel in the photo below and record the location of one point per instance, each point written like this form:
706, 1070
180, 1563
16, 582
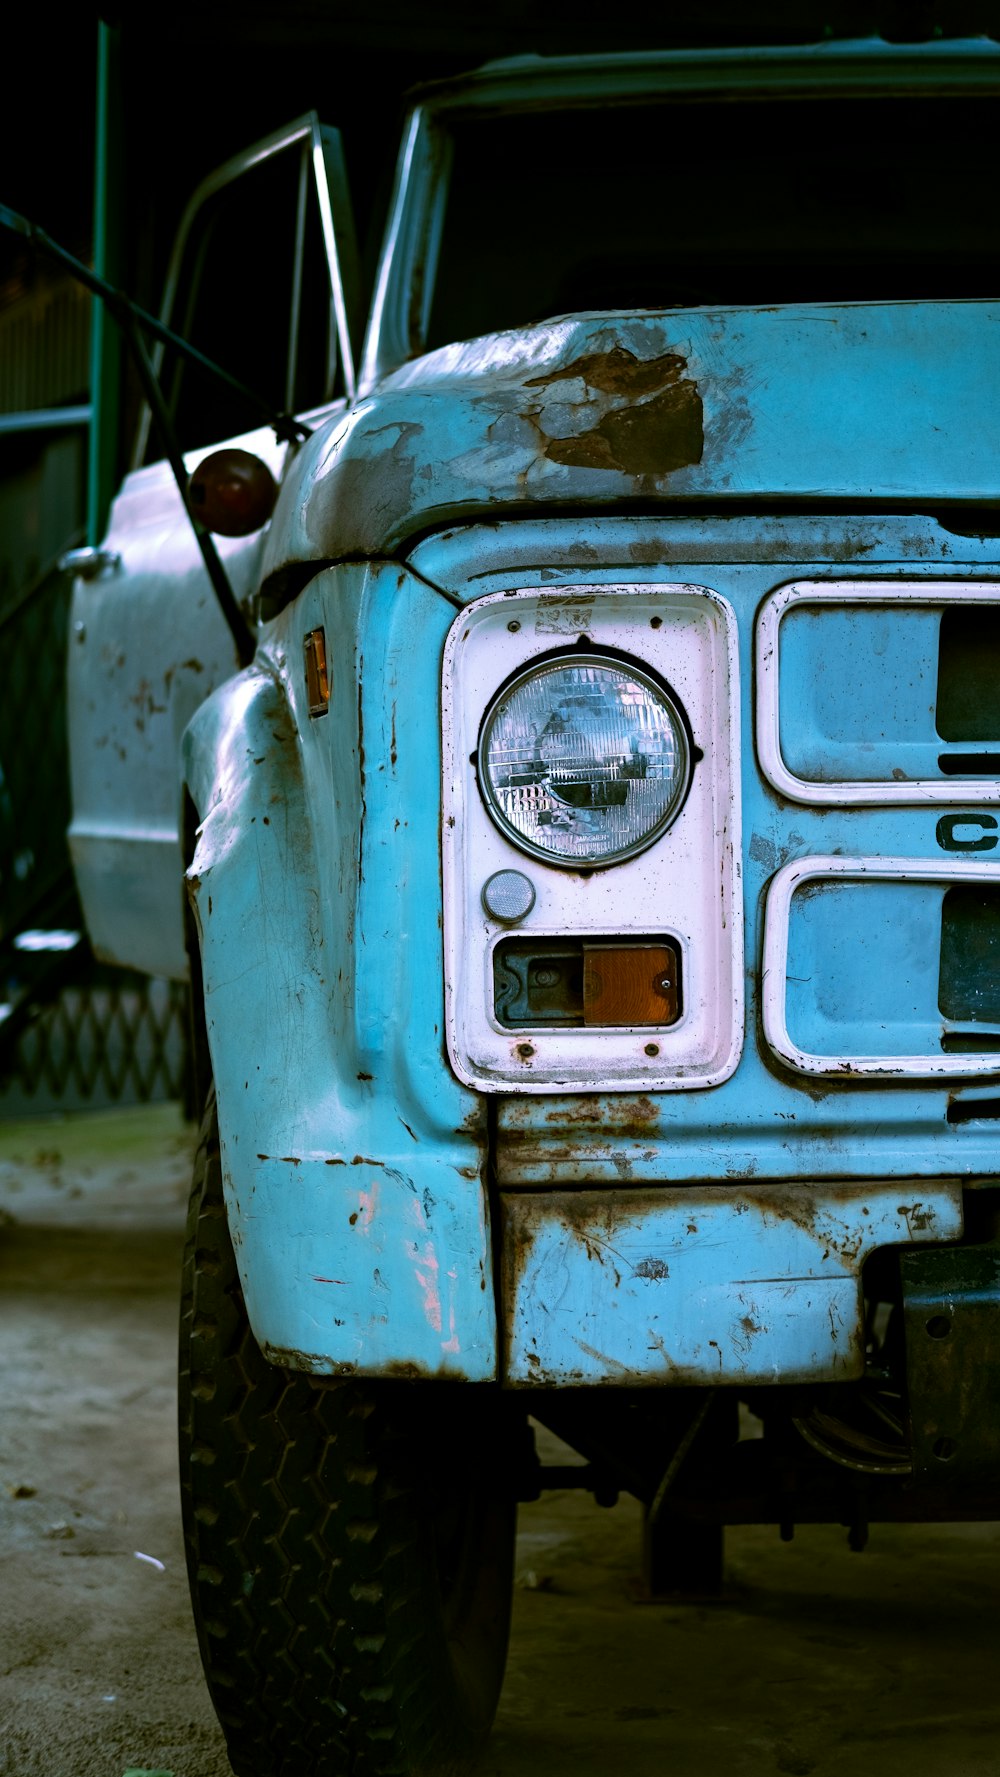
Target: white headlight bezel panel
683, 884
535, 673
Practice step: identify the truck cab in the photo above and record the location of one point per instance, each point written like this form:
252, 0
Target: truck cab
591, 908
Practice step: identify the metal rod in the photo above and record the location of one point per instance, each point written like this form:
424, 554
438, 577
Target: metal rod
239, 627
679, 1457
298, 262
106, 342
46, 419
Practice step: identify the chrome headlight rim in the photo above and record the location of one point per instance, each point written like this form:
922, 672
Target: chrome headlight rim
652, 683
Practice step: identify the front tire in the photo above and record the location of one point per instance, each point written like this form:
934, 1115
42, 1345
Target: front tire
349, 1544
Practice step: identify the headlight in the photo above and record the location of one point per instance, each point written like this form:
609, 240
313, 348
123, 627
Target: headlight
583, 760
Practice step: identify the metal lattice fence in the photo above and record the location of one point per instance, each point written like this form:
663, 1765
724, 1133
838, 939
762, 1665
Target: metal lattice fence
34, 778
116, 1038
73, 1034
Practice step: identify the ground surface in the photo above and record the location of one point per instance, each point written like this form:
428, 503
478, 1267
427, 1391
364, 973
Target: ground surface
819, 1661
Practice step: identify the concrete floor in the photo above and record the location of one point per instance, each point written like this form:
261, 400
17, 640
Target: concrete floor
819, 1660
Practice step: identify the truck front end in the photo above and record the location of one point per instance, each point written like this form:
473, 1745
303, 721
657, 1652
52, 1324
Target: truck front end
595, 880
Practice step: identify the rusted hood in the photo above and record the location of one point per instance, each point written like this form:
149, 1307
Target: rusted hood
860, 401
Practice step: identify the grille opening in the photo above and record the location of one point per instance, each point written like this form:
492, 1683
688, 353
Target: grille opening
968, 687
970, 764
973, 1110
969, 974
970, 1042
969, 521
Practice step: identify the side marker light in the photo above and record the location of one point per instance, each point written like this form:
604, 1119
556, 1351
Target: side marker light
232, 493
317, 677
630, 984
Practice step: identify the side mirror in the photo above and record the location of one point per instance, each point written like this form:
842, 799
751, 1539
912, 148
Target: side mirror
232, 493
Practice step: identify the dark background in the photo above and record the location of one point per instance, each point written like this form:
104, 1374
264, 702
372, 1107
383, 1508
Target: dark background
201, 81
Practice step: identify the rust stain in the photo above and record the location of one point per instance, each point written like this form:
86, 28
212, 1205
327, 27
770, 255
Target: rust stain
611, 1130
474, 1121
656, 426
288, 1358
916, 1217
618, 372
653, 438
407, 1371
623, 1114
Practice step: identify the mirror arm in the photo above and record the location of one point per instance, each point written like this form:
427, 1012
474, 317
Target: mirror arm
285, 426
134, 321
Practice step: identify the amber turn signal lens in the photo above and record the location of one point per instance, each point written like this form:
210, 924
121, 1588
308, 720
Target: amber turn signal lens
317, 677
631, 984
232, 493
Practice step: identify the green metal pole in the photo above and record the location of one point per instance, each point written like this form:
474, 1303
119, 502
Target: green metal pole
105, 336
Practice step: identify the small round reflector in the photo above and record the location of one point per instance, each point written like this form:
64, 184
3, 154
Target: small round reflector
508, 897
232, 493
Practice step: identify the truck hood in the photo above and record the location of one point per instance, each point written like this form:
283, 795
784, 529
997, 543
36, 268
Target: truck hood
890, 402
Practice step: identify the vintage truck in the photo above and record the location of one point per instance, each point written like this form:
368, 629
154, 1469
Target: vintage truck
593, 896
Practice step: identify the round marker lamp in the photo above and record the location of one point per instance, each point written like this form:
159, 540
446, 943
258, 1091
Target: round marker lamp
583, 761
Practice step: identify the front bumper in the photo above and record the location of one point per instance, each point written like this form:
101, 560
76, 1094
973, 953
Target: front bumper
744, 1284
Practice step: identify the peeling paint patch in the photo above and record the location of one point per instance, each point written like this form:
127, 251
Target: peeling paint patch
451, 1345
764, 851
618, 372
426, 1274
368, 1201
560, 614
653, 439
655, 427
653, 1268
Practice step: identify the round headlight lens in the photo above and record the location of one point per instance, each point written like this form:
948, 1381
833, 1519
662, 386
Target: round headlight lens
583, 760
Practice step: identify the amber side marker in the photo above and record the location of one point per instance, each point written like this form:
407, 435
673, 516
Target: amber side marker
317, 678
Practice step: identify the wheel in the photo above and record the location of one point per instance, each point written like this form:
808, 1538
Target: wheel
349, 1544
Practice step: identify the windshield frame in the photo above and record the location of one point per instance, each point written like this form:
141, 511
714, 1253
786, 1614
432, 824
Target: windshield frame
866, 67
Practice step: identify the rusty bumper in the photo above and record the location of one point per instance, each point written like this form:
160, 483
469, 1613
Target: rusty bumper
705, 1284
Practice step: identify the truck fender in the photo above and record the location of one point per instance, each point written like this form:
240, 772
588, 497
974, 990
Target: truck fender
353, 1176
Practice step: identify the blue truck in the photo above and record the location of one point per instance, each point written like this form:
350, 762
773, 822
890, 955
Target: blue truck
592, 889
